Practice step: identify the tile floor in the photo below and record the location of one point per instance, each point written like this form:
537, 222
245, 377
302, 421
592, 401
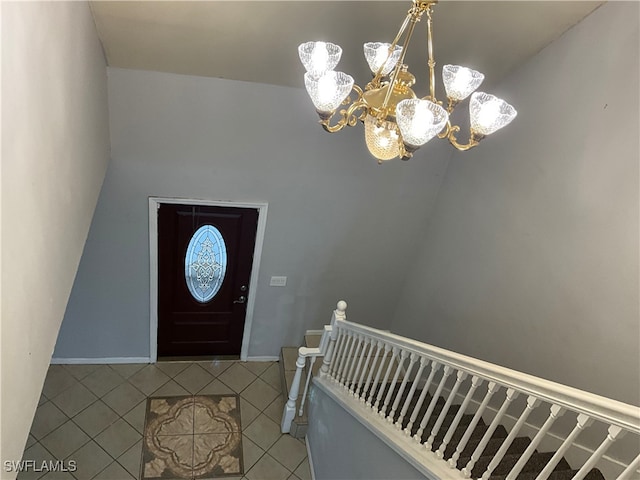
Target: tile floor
94, 415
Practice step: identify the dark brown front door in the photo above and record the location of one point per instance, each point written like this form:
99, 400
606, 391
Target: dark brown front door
204, 263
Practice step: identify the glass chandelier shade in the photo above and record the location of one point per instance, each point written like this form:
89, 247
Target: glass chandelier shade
329, 90
381, 138
319, 57
460, 82
420, 120
377, 55
396, 121
489, 113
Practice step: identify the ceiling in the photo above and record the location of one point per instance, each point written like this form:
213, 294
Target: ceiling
256, 41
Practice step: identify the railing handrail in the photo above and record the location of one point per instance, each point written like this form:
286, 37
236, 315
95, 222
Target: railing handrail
602, 408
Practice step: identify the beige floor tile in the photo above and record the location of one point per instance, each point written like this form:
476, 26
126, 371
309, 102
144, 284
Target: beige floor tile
135, 417
237, 377
215, 388
268, 469
74, 399
272, 376
95, 418
48, 417
216, 367
131, 460
248, 413
42, 399
114, 471
194, 378
58, 379
36, 453
81, 370
170, 389
64, 440
303, 471
90, 459
288, 451
257, 368
59, 475
149, 379
123, 398
102, 380
125, 370
293, 477
172, 368
251, 453
275, 409
30, 441
118, 438
260, 394
263, 431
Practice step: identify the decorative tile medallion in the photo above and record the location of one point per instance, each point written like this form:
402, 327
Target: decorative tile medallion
192, 437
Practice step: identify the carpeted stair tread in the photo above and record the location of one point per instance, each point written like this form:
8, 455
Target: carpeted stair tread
518, 446
593, 474
535, 464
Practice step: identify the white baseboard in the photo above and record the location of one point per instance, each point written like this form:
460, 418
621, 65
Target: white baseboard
311, 469
264, 358
99, 361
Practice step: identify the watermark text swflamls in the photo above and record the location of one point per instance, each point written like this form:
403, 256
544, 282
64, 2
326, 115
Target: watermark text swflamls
43, 466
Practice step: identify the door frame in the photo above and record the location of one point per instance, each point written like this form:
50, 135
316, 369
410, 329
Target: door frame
154, 205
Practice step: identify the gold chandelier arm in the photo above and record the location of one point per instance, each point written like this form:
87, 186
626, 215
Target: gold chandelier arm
431, 62
376, 79
450, 134
348, 115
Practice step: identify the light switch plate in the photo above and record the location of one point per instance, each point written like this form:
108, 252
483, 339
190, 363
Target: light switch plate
278, 281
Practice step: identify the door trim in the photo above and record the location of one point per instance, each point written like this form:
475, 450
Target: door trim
154, 204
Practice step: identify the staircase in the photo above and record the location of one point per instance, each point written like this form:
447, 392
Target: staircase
453, 416
288, 358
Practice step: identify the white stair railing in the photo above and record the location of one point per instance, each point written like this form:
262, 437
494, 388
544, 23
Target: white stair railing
381, 373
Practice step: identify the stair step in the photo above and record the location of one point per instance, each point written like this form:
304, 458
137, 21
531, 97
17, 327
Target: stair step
312, 340
535, 464
289, 357
518, 446
593, 474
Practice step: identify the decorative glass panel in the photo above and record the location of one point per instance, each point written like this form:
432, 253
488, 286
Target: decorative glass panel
205, 263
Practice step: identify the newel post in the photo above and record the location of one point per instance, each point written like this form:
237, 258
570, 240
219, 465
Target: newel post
338, 313
290, 407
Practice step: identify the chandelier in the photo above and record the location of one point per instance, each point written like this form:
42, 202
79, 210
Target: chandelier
396, 122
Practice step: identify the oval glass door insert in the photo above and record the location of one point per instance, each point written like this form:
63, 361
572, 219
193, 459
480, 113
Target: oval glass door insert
205, 263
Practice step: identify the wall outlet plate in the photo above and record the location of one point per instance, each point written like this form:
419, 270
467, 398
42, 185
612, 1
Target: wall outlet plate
278, 282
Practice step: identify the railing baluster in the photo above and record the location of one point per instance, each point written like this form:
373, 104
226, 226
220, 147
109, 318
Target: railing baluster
412, 391
357, 356
460, 377
416, 410
403, 355
386, 377
510, 396
554, 412
312, 361
344, 373
475, 383
290, 407
350, 342
633, 466
413, 358
335, 365
582, 422
375, 386
492, 388
359, 384
613, 434
532, 403
425, 419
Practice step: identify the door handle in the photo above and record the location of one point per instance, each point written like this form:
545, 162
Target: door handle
241, 299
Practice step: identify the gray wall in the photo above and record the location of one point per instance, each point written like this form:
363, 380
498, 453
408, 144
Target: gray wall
339, 226
531, 257
55, 150
344, 449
